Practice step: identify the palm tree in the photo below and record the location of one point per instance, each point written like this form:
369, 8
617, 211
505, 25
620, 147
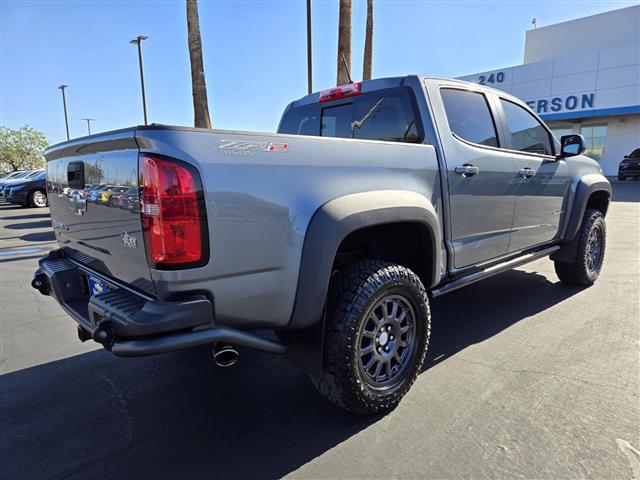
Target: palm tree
198, 84
368, 43
344, 41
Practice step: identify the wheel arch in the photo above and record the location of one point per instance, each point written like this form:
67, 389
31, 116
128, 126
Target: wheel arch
339, 218
593, 191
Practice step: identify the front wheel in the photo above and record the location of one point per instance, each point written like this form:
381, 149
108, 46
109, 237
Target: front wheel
592, 240
377, 332
38, 199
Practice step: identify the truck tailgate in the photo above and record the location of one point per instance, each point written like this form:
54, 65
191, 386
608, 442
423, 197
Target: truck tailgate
98, 222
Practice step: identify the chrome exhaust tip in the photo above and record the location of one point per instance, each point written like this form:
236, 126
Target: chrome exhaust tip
225, 355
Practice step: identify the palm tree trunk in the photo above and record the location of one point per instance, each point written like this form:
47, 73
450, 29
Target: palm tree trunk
344, 41
198, 84
368, 43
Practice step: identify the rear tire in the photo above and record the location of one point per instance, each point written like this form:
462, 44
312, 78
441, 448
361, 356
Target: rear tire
592, 240
377, 333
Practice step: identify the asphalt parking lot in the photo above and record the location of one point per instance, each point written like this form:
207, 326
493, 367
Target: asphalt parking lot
524, 378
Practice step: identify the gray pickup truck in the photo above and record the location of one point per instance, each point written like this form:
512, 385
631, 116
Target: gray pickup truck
324, 242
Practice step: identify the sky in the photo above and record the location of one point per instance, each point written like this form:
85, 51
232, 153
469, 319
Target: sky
254, 54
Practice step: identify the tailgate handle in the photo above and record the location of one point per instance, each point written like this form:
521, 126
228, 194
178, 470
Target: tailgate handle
75, 175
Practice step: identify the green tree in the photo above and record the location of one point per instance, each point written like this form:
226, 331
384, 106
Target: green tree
21, 149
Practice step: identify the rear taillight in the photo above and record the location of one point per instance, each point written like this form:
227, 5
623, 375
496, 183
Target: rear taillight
173, 213
342, 91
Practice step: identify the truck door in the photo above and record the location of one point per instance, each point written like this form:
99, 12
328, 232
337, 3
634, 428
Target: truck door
543, 181
481, 176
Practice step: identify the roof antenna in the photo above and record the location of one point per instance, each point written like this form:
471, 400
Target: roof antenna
344, 62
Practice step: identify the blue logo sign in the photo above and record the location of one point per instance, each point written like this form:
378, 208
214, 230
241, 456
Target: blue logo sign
557, 104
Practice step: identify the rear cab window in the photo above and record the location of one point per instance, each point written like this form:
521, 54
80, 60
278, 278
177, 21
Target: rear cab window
387, 115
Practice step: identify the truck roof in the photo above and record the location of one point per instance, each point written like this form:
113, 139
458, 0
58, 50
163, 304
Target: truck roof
390, 82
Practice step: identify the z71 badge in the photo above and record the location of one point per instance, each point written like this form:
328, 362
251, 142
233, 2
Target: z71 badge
248, 149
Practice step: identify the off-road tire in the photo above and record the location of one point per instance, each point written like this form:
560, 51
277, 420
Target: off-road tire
354, 292
578, 272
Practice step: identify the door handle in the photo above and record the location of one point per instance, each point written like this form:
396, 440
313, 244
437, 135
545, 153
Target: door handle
467, 170
527, 172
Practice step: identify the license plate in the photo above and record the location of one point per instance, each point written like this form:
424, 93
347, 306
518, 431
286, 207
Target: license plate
96, 286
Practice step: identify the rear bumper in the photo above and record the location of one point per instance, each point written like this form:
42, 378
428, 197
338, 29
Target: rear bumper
131, 324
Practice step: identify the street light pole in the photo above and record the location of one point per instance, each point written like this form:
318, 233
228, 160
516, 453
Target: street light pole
64, 105
309, 50
89, 120
138, 41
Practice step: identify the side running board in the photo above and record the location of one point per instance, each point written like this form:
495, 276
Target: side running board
491, 271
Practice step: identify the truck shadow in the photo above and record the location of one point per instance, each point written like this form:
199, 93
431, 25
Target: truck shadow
179, 416
480, 311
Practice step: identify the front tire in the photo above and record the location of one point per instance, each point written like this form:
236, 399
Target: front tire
38, 199
592, 239
377, 333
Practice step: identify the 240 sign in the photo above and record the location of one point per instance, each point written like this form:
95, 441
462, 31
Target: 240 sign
491, 78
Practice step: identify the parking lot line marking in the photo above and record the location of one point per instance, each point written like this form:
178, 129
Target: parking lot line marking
20, 252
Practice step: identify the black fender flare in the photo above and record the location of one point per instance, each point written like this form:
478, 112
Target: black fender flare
328, 227
341, 216
586, 186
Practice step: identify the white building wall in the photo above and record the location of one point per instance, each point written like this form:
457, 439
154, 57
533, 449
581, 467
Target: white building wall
586, 71
611, 76
623, 136
596, 32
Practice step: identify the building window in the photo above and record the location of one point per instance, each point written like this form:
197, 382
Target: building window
595, 137
560, 132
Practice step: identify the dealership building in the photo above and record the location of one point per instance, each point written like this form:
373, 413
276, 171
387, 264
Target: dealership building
582, 76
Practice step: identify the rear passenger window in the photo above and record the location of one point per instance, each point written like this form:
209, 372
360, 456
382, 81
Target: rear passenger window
469, 116
527, 133
388, 115
301, 121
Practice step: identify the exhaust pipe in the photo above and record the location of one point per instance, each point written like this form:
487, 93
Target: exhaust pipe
224, 355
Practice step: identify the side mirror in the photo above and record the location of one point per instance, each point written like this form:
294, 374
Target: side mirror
572, 145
